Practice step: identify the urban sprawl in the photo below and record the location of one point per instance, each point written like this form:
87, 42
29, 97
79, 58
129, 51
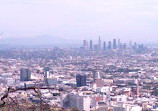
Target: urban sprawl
106, 76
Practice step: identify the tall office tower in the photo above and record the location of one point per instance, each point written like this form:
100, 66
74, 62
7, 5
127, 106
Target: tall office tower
119, 43
25, 74
130, 44
46, 72
85, 44
99, 44
81, 80
135, 45
97, 75
124, 46
109, 45
96, 47
91, 45
104, 46
114, 44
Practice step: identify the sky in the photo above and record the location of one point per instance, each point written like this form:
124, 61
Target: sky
135, 20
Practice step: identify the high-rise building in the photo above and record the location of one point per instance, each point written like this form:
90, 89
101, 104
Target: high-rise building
119, 43
25, 74
97, 75
135, 46
91, 45
47, 76
109, 45
46, 72
114, 44
99, 44
85, 44
81, 80
96, 47
124, 46
104, 46
130, 44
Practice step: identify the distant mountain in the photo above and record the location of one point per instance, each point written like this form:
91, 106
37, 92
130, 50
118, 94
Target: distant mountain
39, 41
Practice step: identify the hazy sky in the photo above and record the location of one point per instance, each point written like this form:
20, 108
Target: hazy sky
81, 19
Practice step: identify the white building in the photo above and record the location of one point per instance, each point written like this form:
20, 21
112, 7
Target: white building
105, 89
75, 100
10, 81
97, 75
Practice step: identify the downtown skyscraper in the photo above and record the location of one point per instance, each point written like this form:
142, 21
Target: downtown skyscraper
25, 74
109, 45
104, 46
114, 44
99, 44
91, 45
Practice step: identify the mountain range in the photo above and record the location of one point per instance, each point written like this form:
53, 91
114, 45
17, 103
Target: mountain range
43, 40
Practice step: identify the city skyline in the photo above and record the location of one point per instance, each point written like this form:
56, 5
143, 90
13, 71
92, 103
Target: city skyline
55, 42
78, 20
78, 55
